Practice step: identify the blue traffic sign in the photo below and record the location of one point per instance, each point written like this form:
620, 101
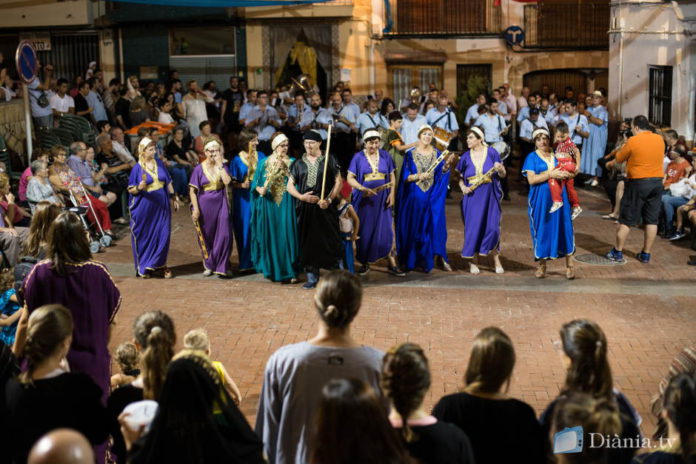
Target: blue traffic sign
514, 35
27, 62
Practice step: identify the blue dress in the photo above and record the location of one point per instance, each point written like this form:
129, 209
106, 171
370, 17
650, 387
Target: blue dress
552, 233
241, 209
8, 308
593, 149
421, 227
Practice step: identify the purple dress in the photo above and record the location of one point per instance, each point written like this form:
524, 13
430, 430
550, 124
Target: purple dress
481, 211
151, 218
376, 231
92, 297
214, 220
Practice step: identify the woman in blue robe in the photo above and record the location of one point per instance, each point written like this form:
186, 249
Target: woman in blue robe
370, 169
421, 227
242, 170
274, 245
150, 189
552, 233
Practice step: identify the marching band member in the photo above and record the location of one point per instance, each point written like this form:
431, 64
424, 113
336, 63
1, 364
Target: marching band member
480, 170
421, 229
369, 170
210, 210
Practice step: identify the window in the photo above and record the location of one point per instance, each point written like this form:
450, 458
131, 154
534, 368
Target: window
570, 24
473, 79
404, 77
442, 16
660, 95
201, 41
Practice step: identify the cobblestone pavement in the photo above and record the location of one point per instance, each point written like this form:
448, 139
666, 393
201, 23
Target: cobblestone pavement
647, 311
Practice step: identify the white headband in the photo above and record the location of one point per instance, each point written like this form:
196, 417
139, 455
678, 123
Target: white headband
278, 140
209, 142
424, 127
478, 132
540, 131
144, 142
371, 134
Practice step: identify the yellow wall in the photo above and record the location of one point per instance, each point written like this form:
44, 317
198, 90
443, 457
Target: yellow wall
29, 13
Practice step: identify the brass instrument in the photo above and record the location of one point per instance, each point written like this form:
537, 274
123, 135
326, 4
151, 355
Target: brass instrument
415, 94
302, 83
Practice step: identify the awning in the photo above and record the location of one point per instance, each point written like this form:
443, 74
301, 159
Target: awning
223, 3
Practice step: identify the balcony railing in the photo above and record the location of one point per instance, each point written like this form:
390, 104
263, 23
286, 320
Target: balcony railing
444, 18
571, 24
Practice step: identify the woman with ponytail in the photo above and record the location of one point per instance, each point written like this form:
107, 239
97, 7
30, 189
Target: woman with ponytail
405, 381
501, 429
48, 396
154, 337
296, 374
595, 415
679, 412
584, 349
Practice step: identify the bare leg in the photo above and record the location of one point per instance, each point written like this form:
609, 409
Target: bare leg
617, 199
680, 218
570, 271
473, 265
649, 237
496, 262
621, 235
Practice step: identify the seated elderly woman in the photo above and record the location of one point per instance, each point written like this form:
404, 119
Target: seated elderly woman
39, 187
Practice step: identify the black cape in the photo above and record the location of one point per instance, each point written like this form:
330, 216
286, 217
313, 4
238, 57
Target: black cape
317, 229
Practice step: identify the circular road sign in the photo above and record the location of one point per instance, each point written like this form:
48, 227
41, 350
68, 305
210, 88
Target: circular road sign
27, 62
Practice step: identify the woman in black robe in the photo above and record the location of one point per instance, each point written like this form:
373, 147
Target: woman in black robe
317, 219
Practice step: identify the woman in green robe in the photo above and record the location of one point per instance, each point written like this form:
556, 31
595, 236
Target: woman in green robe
274, 246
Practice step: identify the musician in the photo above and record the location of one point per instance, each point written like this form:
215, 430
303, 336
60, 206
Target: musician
150, 204
370, 170
274, 246
444, 118
480, 170
317, 218
317, 118
472, 113
421, 228
372, 119
242, 170
524, 111
598, 118
295, 114
344, 127
411, 124
249, 104
494, 128
527, 127
578, 126
210, 210
349, 105
552, 233
264, 120
502, 106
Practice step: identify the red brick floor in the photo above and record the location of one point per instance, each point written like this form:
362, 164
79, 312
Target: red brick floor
647, 311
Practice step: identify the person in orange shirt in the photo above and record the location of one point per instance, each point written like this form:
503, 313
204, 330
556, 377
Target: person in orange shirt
642, 198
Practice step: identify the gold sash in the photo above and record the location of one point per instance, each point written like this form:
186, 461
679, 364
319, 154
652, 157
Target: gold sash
375, 176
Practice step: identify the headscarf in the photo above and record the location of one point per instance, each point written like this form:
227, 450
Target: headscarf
424, 127
185, 430
279, 139
144, 143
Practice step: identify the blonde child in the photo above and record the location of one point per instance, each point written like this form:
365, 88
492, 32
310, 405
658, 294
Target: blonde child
127, 358
197, 339
349, 224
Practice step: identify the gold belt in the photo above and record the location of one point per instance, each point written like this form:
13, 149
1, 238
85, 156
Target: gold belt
375, 176
479, 179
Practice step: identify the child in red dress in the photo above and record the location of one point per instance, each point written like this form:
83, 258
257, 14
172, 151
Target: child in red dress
567, 155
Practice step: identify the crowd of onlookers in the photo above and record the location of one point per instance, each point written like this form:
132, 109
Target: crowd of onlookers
326, 400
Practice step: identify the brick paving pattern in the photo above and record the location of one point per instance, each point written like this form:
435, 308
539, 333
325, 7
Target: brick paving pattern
647, 311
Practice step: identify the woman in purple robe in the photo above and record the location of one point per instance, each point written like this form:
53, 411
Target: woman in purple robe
70, 277
369, 170
150, 189
210, 211
480, 170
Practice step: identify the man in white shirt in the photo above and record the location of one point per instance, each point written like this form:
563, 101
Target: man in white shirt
250, 103
371, 119
118, 143
443, 117
510, 100
522, 99
61, 102
578, 126
472, 113
316, 118
40, 99
344, 128
524, 111
502, 106
412, 122
264, 120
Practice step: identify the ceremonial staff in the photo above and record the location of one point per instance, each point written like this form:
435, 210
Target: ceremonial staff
326, 162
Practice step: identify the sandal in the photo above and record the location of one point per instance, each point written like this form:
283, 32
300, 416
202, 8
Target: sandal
541, 271
570, 273
610, 216
167, 273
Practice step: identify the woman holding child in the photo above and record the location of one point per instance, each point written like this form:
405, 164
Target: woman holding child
552, 232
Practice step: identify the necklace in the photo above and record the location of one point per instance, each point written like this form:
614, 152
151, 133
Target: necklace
373, 160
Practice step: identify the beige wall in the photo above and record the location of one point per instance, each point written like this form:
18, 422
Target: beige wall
29, 13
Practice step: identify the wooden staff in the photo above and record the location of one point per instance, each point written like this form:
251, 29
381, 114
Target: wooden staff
326, 162
432, 167
479, 181
201, 239
383, 187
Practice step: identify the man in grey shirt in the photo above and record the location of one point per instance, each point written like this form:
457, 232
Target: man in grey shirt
296, 374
